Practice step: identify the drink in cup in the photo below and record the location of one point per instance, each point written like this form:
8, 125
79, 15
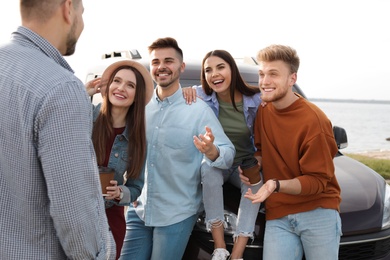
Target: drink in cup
251, 169
106, 175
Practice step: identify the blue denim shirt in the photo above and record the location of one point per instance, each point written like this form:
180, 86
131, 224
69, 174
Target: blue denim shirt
172, 188
118, 161
250, 105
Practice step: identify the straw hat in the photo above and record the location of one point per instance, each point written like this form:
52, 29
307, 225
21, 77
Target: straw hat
138, 66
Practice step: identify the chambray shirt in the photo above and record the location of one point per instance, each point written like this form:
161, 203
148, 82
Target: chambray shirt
51, 205
250, 105
118, 161
172, 188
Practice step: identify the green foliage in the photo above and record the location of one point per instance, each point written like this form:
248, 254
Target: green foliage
381, 166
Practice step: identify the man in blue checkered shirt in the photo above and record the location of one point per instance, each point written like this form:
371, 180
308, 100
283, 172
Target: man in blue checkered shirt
51, 205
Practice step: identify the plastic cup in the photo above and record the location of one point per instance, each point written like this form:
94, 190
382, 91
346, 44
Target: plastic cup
251, 169
106, 175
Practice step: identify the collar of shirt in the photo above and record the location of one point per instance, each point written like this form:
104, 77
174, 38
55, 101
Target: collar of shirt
171, 99
25, 35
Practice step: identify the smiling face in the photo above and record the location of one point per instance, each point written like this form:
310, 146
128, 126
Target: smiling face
275, 82
165, 67
122, 89
218, 74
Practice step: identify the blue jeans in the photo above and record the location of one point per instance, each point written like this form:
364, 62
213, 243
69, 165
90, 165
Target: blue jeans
212, 181
144, 243
315, 233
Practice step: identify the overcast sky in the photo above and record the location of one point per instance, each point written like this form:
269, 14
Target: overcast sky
344, 45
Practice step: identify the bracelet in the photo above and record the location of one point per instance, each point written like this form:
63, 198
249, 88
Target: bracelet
277, 185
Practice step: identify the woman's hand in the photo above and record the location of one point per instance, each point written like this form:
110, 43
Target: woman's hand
93, 86
189, 94
113, 191
243, 178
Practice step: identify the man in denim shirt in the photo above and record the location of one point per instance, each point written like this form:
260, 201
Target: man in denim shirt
51, 205
160, 226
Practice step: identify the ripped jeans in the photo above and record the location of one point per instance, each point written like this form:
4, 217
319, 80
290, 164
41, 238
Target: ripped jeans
212, 181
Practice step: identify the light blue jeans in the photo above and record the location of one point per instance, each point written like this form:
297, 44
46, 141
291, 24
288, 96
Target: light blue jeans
212, 181
315, 233
145, 243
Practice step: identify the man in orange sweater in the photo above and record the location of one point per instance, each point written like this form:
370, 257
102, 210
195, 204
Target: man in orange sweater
295, 145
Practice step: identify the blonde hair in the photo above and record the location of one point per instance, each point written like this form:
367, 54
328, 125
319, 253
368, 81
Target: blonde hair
277, 52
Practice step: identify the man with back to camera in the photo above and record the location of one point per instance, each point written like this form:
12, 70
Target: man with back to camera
296, 146
160, 226
51, 206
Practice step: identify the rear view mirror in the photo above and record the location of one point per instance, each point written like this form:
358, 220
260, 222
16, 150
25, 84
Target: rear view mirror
340, 135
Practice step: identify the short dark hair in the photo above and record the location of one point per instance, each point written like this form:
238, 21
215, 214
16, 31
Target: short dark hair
41, 10
167, 42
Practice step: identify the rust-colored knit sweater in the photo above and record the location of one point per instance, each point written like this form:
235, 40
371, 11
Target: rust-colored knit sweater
297, 142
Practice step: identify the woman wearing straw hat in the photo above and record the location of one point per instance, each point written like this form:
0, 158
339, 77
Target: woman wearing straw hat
119, 136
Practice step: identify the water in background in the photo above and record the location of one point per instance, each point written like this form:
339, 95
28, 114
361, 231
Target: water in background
367, 124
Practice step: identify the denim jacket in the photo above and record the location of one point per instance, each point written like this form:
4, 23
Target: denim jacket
118, 161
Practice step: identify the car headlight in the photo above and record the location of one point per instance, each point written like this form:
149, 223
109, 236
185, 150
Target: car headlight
386, 208
230, 219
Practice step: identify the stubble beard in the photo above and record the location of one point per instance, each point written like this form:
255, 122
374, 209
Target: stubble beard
168, 83
71, 40
276, 96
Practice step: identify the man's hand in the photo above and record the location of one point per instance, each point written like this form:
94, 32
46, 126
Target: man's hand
205, 144
263, 193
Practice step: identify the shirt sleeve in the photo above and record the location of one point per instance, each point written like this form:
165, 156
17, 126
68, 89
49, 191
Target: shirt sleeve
133, 188
317, 164
63, 127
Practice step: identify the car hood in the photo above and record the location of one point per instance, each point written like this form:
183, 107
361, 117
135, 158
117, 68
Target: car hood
362, 193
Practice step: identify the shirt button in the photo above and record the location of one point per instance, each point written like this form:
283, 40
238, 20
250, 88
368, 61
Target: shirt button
116, 155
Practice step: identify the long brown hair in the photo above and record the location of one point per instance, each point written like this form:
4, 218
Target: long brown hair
237, 82
135, 123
